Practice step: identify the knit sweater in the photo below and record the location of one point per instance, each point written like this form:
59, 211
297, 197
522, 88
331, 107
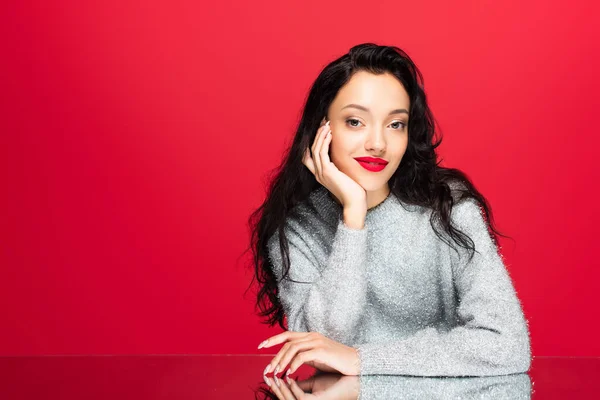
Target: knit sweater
403, 298
500, 387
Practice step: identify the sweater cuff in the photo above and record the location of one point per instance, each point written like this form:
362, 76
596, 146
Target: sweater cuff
349, 246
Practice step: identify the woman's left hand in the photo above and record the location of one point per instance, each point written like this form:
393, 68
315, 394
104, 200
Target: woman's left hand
314, 349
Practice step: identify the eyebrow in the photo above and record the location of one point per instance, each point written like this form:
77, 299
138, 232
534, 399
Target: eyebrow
397, 111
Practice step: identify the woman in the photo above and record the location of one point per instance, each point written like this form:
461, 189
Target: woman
380, 258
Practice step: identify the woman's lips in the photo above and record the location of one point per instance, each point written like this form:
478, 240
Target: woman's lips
371, 166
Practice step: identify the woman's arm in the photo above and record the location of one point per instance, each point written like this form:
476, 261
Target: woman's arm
333, 300
492, 338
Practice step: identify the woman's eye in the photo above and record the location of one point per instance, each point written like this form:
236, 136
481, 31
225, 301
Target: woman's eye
399, 122
352, 119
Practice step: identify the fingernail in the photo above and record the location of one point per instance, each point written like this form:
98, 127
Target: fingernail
267, 380
327, 124
277, 382
288, 380
276, 370
288, 372
262, 344
266, 371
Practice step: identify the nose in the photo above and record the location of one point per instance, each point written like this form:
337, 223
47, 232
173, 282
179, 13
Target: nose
375, 141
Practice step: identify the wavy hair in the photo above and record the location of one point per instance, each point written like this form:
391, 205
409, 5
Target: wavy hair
418, 180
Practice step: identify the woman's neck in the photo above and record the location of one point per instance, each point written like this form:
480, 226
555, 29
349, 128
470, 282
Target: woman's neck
373, 198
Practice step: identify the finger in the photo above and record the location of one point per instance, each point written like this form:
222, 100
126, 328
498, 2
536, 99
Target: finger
275, 389
305, 356
314, 148
294, 348
285, 390
299, 393
268, 380
324, 153
282, 337
276, 362
317, 149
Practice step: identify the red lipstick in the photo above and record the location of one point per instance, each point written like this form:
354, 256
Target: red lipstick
372, 164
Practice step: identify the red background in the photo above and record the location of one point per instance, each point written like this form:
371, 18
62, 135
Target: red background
136, 137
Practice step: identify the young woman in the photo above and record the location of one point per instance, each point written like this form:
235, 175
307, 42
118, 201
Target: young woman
381, 259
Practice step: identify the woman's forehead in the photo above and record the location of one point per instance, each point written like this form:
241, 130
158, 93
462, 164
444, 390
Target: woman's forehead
373, 94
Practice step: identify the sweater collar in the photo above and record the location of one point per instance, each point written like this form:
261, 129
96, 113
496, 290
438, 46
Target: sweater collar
377, 216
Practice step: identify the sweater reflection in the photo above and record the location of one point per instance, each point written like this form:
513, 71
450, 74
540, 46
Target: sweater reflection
336, 386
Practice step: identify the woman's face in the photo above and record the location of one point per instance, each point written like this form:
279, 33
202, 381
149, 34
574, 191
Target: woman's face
379, 130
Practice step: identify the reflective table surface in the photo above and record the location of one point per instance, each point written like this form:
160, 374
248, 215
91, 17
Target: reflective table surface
241, 377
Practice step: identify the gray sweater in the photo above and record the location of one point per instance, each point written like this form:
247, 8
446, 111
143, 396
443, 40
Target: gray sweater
398, 294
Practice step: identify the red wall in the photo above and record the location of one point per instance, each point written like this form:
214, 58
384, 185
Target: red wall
120, 231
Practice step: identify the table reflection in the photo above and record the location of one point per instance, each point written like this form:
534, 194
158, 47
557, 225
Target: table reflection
335, 386
241, 377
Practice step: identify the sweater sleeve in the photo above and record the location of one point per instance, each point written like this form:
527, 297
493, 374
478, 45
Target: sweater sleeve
329, 298
491, 337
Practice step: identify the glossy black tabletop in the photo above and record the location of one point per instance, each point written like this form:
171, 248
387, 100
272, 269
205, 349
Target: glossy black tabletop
241, 377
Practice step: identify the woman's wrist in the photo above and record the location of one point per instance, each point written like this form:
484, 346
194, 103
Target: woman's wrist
354, 218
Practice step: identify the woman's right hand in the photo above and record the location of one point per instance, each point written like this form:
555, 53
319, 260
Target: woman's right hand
347, 190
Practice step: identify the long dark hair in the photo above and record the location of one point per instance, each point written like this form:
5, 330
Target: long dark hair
418, 180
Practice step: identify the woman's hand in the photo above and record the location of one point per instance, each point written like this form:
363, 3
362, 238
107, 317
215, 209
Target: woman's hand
322, 386
347, 190
314, 349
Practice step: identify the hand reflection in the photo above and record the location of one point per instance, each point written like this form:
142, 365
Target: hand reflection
323, 386
338, 386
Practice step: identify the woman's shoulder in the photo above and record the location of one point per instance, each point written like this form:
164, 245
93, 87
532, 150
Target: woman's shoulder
310, 215
466, 211
304, 228
457, 189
